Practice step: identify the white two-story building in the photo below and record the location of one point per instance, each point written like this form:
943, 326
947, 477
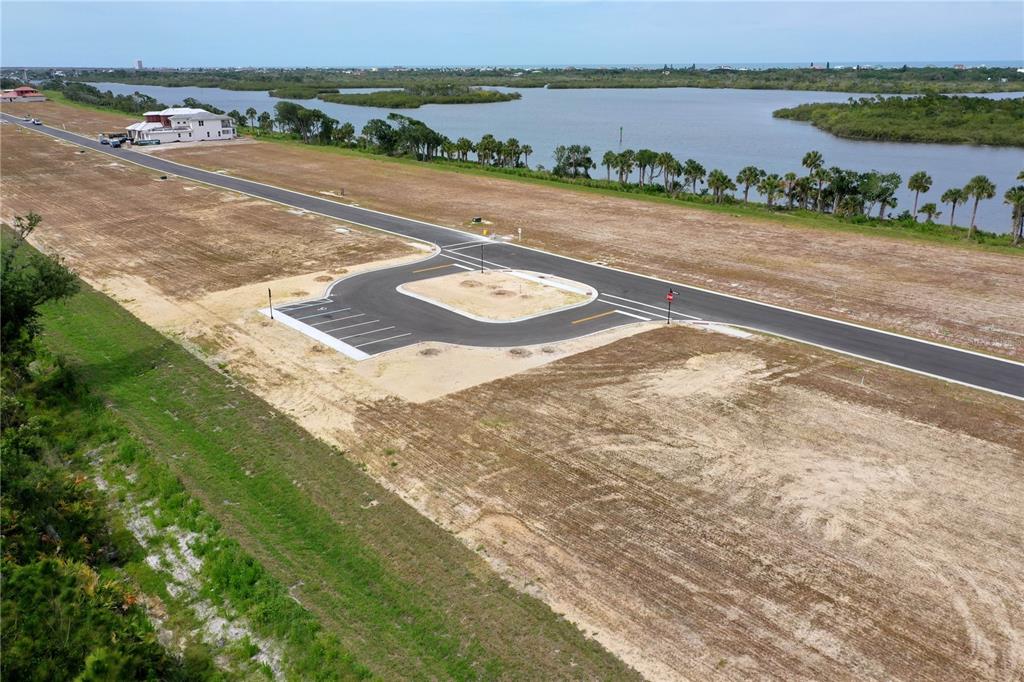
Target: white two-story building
182, 124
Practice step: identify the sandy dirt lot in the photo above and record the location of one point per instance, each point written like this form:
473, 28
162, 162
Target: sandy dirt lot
497, 295
707, 506
115, 219
718, 508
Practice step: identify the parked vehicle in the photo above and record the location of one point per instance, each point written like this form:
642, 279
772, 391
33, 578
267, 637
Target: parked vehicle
115, 143
36, 122
146, 143
104, 140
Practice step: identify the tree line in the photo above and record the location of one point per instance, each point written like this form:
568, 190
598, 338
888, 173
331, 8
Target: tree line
832, 190
931, 118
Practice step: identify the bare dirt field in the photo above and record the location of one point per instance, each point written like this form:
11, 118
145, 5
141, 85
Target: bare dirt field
718, 508
115, 219
497, 295
953, 295
706, 506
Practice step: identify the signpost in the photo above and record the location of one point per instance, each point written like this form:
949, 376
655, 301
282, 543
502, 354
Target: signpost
271, 299
668, 297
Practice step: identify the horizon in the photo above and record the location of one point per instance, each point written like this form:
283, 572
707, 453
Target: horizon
518, 34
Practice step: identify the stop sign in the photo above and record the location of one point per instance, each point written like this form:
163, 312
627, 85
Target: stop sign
669, 296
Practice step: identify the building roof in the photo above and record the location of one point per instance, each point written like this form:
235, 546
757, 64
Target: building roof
183, 111
144, 125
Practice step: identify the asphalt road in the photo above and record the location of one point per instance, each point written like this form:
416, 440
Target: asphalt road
387, 319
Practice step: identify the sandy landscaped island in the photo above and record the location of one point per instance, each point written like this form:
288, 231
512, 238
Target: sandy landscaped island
499, 295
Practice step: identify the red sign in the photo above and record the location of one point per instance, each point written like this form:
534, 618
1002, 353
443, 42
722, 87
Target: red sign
668, 297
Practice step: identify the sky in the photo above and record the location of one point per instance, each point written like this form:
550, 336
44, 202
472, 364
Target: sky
340, 33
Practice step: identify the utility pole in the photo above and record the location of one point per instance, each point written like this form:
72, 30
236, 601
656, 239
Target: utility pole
271, 299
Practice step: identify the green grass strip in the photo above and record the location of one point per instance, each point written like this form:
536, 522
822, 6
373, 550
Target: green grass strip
404, 597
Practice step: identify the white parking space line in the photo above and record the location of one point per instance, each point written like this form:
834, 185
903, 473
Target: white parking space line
319, 311
396, 336
464, 267
372, 331
298, 306
337, 319
639, 317
357, 324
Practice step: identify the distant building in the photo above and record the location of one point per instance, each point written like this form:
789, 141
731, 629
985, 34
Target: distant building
182, 124
22, 94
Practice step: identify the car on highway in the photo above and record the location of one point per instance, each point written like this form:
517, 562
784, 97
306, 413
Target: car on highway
36, 122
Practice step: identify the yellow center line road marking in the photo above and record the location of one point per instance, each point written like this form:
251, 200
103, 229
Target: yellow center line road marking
594, 317
436, 267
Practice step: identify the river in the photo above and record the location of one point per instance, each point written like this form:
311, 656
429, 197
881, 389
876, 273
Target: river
722, 128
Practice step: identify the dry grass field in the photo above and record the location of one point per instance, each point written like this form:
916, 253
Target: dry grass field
706, 506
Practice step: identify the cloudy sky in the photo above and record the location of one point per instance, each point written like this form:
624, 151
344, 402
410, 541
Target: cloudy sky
506, 33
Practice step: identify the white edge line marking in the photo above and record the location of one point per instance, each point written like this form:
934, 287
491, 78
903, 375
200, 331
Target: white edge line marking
401, 289
623, 312
476, 263
318, 336
481, 240
390, 338
464, 267
876, 361
628, 307
371, 331
528, 248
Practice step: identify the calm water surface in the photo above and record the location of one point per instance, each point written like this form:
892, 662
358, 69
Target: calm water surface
725, 129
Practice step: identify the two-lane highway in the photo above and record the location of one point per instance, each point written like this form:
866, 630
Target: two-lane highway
373, 295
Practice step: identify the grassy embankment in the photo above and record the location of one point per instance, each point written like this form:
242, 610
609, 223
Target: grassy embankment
867, 80
403, 597
932, 232
932, 118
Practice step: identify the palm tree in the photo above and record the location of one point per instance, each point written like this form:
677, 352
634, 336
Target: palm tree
1015, 198
526, 150
693, 173
609, 160
979, 187
251, 114
789, 180
751, 175
625, 162
930, 211
770, 187
645, 158
815, 163
919, 182
673, 171
719, 183
953, 196
663, 163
